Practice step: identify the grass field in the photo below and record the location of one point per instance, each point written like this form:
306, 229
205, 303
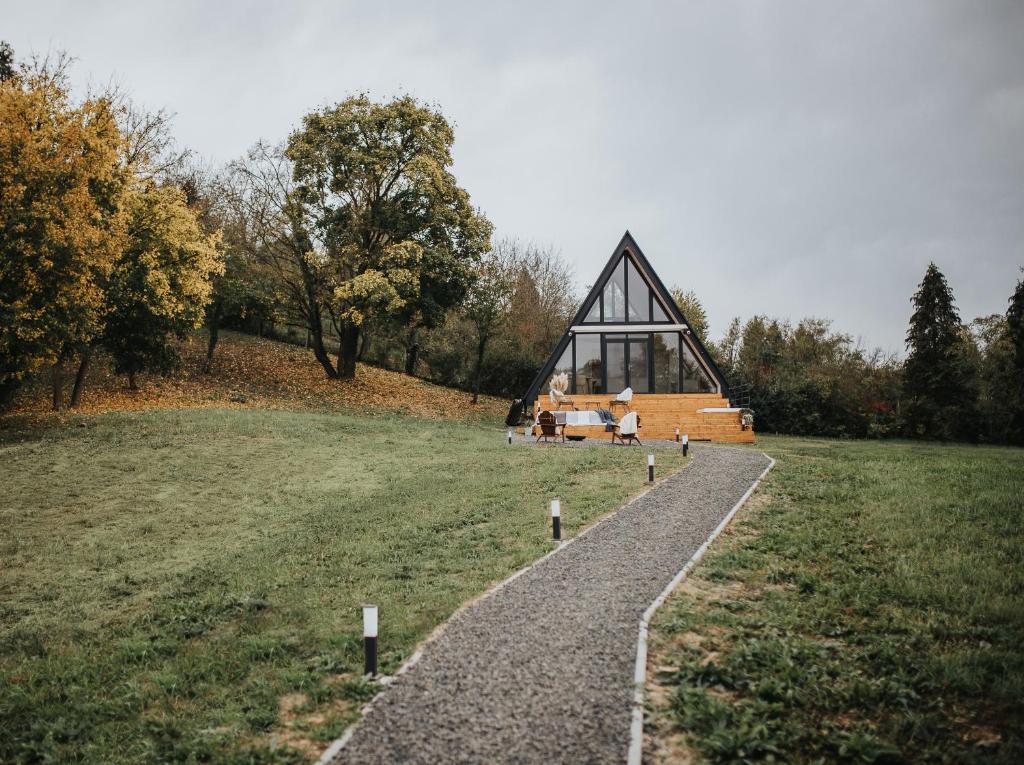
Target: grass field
184, 586
867, 606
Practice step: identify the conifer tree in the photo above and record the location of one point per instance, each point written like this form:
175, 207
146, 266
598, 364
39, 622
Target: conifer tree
940, 382
1015, 396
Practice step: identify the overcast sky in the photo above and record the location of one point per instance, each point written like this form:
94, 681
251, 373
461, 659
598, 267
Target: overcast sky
786, 158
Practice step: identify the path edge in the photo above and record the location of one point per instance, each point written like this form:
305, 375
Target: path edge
330, 754
636, 728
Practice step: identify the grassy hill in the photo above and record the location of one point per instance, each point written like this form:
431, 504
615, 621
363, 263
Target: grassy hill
185, 586
254, 373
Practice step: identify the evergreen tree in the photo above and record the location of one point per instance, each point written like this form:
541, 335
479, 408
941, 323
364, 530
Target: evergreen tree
1015, 395
940, 380
7, 67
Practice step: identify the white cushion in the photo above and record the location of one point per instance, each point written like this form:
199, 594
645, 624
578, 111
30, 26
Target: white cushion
626, 395
627, 425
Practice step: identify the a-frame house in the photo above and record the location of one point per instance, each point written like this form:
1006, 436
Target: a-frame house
629, 333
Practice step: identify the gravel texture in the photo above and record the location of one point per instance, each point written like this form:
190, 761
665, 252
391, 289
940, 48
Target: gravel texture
541, 671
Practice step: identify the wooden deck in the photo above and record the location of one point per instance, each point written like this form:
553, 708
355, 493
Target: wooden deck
661, 413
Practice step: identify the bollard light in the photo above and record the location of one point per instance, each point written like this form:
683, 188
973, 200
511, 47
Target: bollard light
370, 640
510, 436
650, 468
686, 445
556, 520
677, 435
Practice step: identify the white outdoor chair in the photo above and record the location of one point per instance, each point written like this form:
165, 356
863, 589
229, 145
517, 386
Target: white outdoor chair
622, 399
627, 429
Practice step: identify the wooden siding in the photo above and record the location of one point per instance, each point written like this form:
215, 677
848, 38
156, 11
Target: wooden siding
661, 413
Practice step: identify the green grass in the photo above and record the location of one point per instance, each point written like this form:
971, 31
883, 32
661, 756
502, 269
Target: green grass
868, 606
184, 586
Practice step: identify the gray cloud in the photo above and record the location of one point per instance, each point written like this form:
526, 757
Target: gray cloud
788, 158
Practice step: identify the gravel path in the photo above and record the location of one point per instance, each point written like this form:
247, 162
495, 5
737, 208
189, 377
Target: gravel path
541, 671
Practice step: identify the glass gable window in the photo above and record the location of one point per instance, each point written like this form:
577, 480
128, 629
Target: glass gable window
595, 313
615, 295
639, 294
695, 379
657, 313
666, 362
588, 364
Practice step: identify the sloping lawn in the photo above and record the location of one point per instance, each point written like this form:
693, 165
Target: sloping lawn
184, 586
867, 606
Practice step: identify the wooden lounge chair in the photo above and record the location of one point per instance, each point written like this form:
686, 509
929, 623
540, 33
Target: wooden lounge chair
549, 428
627, 429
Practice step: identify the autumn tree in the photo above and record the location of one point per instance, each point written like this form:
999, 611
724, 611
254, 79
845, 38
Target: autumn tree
693, 310
939, 383
161, 281
385, 217
60, 184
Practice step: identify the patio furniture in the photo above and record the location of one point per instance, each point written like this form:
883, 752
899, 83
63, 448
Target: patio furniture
549, 428
622, 400
627, 429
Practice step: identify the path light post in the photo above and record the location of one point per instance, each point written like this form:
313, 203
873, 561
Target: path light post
510, 437
370, 640
556, 520
686, 445
677, 435
650, 468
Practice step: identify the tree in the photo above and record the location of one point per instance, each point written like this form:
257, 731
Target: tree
161, 281
939, 382
485, 307
269, 226
1015, 333
382, 209
7, 67
60, 184
693, 310
147, 152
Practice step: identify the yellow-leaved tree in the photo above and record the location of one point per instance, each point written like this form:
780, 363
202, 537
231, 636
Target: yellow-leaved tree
161, 281
60, 227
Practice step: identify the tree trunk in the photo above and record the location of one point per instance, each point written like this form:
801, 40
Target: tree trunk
481, 346
412, 350
347, 350
132, 385
80, 376
57, 379
316, 334
364, 340
215, 317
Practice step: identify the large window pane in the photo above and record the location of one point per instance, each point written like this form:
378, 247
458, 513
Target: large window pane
639, 295
594, 315
657, 314
615, 295
588, 363
666, 362
615, 359
639, 379
695, 379
564, 365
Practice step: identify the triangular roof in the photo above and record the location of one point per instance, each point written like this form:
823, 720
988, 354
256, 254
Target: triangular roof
627, 247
